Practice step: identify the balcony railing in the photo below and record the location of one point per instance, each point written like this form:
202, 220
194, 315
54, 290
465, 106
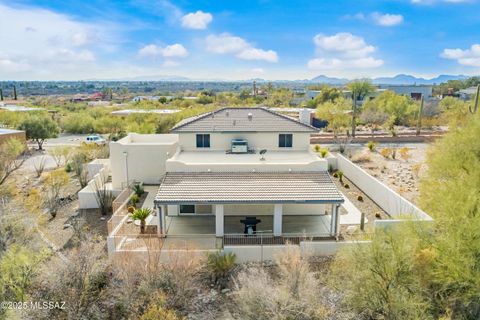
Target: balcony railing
241, 239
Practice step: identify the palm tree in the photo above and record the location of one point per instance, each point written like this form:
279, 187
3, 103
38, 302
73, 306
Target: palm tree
141, 214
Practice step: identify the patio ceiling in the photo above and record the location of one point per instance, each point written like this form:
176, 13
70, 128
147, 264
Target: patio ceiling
247, 187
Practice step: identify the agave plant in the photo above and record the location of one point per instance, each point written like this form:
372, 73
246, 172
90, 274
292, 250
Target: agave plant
141, 214
221, 265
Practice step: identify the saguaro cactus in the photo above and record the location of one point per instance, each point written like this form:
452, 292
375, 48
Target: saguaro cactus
475, 106
14, 92
419, 119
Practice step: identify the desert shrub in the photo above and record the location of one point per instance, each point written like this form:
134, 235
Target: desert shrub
156, 310
394, 153
378, 215
340, 176
39, 165
404, 153
138, 189
323, 152
346, 186
317, 148
386, 152
388, 283
361, 158
68, 167
372, 146
293, 295
360, 198
335, 175
220, 266
130, 209
134, 199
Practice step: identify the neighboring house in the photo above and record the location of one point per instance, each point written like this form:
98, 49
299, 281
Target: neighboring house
150, 98
415, 92
230, 172
126, 112
6, 134
467, 94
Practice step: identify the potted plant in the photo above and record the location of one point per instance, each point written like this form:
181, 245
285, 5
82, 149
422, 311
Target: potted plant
141, 214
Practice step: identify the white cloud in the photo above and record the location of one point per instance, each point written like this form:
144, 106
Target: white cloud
38, 43
226, 43
468, 57
197, 20
387, 19
171, 51
343, 50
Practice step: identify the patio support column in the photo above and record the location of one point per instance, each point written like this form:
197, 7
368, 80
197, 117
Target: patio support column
337, 221
333, 220
277, 220
159, 210
219, 220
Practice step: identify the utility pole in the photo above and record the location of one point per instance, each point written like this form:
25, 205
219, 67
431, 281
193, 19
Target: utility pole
1, 94
475, 106
419, 119
14, 92
354, 113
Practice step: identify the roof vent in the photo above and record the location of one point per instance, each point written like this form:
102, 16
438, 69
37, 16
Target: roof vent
227, 113
250, 116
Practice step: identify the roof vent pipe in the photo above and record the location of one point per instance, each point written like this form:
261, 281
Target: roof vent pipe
227, 113
250, 116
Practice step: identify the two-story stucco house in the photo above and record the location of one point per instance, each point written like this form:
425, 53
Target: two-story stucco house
232, 174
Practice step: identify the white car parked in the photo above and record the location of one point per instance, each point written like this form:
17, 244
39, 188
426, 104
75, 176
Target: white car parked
96, 139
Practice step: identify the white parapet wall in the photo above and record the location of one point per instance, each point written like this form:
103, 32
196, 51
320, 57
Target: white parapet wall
87, 197
386, 198
141, 157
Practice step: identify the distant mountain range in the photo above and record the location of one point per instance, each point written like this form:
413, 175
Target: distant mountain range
400, 79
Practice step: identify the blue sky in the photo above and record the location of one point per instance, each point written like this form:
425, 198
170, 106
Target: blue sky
68, 40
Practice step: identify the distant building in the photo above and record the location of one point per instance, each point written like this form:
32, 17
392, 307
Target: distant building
150, 98
311, 94
414, 92
467, 94
127, 112
6, 134
98, 103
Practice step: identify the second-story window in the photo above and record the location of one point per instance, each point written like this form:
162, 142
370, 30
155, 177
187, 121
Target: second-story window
285, 140
203, 141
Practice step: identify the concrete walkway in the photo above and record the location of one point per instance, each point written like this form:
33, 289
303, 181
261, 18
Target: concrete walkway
353, 215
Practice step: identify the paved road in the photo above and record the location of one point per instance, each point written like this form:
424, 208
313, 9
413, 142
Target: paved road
64, 139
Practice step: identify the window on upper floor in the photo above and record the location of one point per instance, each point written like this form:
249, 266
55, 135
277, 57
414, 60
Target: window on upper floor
203, 141
285, 140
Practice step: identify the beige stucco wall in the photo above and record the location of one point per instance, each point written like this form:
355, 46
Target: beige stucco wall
146, 157
256, 140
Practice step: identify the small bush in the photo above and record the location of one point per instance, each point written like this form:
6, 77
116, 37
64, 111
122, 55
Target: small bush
340, 176
323, 152
372, 146
131, 209
394, 153
39, 165
68, 167
335, 175
386, 152
138, 189
221, 265
346, 186
134, 199
378, 216
317, 148
404, 153
360, 198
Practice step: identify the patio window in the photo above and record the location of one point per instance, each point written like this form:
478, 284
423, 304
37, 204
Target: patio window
187, 208
203, 141
285, 140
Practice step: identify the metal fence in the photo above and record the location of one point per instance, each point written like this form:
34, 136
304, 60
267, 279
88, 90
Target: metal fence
271, 239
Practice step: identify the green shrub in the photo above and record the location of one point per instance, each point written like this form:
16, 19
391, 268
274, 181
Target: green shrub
317, 148
138, 189
221, 266
335, 175
372, 146
323, 152
340, 176
68, 167
134, 199
346, 186
360, 198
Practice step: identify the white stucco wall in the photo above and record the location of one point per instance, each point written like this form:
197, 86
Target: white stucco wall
256, 140
390, 201
146, 157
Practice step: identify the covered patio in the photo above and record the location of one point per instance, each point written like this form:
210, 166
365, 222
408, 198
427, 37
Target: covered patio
281, 203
